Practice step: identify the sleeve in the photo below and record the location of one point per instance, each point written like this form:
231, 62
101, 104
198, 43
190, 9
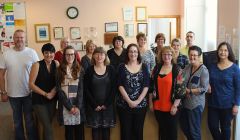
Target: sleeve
87, 89
186, 60
152, 62
152, 86
146, 76
35, 56
236, 80
62, 96
80, 90
58, 56
180, 86
204, 81
84, 63
110, 97
121, 75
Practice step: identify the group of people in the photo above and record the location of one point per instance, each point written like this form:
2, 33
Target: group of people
169, 80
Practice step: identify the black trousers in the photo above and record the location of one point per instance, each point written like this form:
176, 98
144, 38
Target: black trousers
167, 125
74, 132
131, 123
101, 133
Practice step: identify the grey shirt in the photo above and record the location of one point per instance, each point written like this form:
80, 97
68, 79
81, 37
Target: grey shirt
198, 79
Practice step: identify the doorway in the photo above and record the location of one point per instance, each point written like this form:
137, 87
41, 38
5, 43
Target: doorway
169, 25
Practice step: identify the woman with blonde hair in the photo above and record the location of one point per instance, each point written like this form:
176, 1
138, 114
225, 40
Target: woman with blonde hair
99, 90
167, 90
86, 59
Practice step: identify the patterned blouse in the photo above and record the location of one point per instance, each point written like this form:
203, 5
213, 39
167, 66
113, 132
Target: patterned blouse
148, 58
134, 84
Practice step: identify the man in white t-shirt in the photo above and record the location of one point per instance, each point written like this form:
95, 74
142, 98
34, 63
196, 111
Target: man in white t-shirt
16, 64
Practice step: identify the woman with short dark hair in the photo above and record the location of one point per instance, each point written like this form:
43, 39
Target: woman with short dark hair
117, 54
197, 80
42, 81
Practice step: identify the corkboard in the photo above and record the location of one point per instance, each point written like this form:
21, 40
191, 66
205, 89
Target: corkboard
108, 37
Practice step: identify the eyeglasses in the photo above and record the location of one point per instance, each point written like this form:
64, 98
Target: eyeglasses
70, 54
194, 55
167, 54
133, 52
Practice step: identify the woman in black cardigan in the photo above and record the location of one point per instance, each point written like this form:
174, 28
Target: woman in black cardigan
99, 89
168, 85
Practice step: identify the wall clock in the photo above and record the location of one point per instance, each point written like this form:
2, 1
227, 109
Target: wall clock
72, 12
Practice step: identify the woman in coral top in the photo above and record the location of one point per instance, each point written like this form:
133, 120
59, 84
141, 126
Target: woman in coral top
168, 89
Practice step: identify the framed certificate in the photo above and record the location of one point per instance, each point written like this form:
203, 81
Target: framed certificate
111, 27
58, 32
75, 33
141, 13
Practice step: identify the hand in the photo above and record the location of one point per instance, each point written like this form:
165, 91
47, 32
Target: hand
173, 110
151, 106
50, 95
187, 93
98, 108
103, 107
76, 110
4, 97
72, 111
209, 89
133, 104
235, 110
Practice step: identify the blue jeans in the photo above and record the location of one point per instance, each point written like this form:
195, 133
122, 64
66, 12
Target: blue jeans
223, 117
20, 106
190, 121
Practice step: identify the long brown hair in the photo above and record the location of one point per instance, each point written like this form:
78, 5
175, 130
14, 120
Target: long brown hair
62, 69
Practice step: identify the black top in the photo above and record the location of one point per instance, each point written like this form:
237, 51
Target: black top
115, 59
101, 85
45, 80
89, 90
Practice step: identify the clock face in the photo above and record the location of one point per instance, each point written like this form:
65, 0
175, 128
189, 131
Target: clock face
72, 12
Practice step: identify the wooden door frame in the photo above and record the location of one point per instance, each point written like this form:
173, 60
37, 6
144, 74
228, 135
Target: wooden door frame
178, 21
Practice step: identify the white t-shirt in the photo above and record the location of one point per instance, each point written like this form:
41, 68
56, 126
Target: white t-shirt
18, 65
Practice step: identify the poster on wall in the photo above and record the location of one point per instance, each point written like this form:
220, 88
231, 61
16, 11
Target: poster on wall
12, 17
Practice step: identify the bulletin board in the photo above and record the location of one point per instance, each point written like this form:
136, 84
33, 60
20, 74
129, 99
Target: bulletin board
12, 17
